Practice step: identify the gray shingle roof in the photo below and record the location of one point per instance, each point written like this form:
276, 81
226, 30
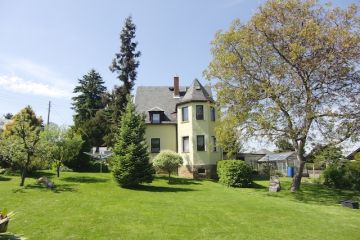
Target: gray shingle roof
155, 98
197, 92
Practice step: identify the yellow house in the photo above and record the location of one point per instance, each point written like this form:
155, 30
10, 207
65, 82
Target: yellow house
181, 119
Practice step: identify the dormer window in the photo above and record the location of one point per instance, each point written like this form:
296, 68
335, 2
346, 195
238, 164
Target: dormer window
156, 115
156, 118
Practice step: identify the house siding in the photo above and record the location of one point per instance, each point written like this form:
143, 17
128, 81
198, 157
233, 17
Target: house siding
166, 133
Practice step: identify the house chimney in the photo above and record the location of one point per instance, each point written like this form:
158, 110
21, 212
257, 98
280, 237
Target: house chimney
176, 87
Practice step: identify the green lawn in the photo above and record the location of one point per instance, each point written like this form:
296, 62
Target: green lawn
92, 206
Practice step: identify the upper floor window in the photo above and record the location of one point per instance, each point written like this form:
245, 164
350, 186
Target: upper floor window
185, 114
185, 144
212, 113
155, 145
200, 142
214, 143
199, 112
155, 118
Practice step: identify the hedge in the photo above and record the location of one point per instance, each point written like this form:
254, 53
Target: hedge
234, 173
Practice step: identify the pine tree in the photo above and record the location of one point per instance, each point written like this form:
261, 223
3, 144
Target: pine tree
89, 105
89, 100
124, 65
130, 162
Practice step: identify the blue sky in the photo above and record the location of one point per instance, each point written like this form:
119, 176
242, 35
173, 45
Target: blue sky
45, 46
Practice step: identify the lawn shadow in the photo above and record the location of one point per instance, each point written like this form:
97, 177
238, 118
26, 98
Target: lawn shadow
313, 193
39, 174
257, 186
180, 181
3, 179
59, 188
84, 179
151, 188
316, 193
10, 236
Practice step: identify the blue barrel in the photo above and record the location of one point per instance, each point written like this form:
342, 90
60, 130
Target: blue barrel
290, 172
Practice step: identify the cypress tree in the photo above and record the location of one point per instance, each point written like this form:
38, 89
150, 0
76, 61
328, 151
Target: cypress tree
130, 162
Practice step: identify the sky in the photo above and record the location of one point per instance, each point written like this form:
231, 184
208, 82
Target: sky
46, 46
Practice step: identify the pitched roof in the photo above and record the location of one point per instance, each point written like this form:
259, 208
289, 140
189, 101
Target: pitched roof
154, 98
276, 156
196, 92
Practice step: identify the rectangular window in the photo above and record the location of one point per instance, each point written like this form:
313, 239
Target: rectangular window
212, 113
185, 114
155, 145
156, 118
200, 142
199, 112
185, 142
214, 143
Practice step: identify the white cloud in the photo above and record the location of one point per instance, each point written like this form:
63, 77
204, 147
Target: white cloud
24, 76
17, 84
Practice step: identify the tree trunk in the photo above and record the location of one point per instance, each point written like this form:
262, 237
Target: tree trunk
58, 170
23, 175
295, 186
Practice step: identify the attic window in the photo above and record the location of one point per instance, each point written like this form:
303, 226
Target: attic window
155, 118
198, 87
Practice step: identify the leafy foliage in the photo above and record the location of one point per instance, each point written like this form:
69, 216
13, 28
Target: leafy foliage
326, 155
130, 162
167, 161
291, 72
20, 140
59, 145
344, 176
234, 173
283, 145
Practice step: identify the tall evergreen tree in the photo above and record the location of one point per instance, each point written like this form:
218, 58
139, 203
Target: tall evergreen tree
89, 100
124, 65
130, 162
89, 105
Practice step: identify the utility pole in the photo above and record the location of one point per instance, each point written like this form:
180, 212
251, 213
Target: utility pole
48, 117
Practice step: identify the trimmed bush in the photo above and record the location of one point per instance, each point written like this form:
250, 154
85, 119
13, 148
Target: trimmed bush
167, 161
346, 176
234, 173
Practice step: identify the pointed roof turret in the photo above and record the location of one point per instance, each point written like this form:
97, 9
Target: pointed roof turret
196, 92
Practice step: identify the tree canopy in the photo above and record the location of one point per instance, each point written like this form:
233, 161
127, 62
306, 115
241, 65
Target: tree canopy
291, 72
20, 140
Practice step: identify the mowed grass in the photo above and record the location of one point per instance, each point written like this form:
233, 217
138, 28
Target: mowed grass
92, 206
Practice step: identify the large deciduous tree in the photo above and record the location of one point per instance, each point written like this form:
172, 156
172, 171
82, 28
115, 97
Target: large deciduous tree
291, 72
124, 65
20, 140
130, 162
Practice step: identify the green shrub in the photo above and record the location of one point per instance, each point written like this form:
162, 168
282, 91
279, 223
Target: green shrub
346, 176
334, 176
167, 161
234, 173
352, 175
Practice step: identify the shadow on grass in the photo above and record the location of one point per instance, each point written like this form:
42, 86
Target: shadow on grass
180, 181
316, 194
39, 174
257, 186
59, 188
10, 236
84, 179
150, 188
2, 178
